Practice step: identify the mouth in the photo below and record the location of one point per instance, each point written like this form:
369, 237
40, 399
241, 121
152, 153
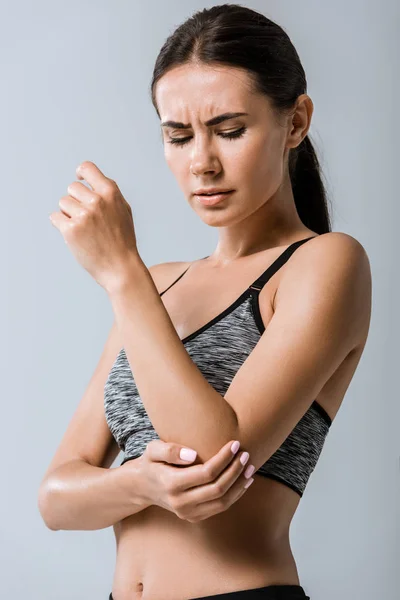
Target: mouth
211, 199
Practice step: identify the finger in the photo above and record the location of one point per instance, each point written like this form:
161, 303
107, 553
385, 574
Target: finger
201, 474
171, 453
218, 487
205, 510
89, 172
71, 207
81, 192
228, 477
59, 220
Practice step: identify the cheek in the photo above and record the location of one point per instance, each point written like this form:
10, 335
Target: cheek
174, 160
251, 160
265, 162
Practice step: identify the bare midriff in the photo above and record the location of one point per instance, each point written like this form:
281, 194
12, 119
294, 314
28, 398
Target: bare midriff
160, 556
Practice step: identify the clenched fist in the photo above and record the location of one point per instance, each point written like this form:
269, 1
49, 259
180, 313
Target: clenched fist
97, 225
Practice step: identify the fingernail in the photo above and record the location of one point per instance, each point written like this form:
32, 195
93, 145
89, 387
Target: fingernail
249, 482
249, 471
187, 454
244, 458
235, 447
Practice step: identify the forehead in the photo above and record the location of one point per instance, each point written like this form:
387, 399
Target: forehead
203, 89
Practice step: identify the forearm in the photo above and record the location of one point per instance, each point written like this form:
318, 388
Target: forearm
79, 496
182, 406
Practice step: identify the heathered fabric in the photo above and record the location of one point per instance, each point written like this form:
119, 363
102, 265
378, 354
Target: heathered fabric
218, 349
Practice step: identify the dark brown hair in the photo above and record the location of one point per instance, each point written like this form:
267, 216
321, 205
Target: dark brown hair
237, 36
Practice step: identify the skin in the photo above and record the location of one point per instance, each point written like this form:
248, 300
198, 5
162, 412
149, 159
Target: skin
249, 543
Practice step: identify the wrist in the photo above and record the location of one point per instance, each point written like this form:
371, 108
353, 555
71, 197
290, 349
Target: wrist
133, 484
127, 275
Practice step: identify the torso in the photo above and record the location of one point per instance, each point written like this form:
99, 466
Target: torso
162, 556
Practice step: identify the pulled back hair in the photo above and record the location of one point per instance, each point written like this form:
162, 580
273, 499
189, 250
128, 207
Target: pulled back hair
237, 36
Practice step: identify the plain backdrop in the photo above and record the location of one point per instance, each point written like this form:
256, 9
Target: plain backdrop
75, 86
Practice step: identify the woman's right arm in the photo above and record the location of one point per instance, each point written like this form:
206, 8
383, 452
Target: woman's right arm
80, 496
79, 491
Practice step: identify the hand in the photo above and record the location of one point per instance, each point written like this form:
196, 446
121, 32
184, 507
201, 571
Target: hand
97, 225
196, 492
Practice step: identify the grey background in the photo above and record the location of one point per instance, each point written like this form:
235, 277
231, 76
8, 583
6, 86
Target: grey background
75, 80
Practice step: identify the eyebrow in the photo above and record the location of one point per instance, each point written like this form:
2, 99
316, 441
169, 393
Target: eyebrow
214, 121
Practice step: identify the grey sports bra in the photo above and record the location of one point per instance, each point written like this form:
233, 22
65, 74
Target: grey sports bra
219, 348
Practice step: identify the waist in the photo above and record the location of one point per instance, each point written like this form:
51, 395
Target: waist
159, 554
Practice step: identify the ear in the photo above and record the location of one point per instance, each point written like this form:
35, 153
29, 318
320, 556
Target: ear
300, 121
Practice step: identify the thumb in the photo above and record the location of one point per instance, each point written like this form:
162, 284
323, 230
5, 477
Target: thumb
187, 454
170, 452
177, 454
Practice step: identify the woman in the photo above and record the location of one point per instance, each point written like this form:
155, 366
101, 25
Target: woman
256, 343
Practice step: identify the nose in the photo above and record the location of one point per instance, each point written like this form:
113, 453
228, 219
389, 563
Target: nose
204, 158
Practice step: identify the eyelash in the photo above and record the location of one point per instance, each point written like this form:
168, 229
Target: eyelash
229, 136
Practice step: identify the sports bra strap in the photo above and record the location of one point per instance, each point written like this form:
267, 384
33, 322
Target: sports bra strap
181, 275
259, 283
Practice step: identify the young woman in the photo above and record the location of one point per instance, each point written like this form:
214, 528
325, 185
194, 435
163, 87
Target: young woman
255, 344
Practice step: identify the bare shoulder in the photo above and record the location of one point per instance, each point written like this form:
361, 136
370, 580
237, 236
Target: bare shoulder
341, 252
335, 251
163, 274
339, 241
335, 267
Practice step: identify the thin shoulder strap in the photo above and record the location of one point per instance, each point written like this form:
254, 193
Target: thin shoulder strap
181, 275
259, 283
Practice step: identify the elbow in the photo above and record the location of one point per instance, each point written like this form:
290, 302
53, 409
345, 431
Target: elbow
217, 438
44, 501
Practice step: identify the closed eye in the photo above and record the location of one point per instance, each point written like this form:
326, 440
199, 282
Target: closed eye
229, 136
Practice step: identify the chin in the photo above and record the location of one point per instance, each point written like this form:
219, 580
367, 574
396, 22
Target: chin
221, 217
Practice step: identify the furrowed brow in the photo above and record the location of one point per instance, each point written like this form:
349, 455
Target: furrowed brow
214, 121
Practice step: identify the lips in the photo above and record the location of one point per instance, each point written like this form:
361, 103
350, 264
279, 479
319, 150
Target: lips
212, 199
213, 194
211, 191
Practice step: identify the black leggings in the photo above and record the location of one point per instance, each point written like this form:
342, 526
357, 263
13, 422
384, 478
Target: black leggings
270, 592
